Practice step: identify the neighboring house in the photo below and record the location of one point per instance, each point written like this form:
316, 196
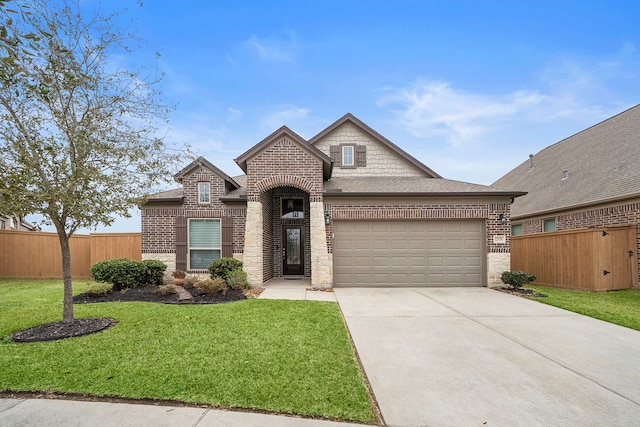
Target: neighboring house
591, 179
8, 222
346, 208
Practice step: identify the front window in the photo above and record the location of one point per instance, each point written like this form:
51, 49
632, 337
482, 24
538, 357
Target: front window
203, 192
549, 225
516, 229
347, 155
205, 242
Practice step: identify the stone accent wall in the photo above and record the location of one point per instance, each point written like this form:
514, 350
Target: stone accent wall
496, 264
253, 241
321, 269
602, 216
381, 161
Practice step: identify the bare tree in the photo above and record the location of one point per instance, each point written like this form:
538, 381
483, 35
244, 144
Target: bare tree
78, 130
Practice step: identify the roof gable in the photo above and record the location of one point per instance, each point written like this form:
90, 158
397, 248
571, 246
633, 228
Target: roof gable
202, 162
350, 118
285, 132
598, 164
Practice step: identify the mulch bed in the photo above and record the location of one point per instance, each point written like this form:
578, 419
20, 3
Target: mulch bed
79, 327
59, 330
522, 292
147, 294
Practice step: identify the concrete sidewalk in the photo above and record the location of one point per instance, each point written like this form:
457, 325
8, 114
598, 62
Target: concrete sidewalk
294, 289
476, 356
70, 413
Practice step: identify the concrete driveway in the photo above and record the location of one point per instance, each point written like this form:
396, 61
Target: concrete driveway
475, 356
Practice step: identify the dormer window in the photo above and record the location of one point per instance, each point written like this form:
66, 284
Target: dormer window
348, 155
204, 194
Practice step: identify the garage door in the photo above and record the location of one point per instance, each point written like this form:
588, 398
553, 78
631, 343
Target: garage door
408, 253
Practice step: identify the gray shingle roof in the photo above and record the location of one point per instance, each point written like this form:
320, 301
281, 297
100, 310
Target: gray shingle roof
375, 186
602, 163
409, 185
175, 193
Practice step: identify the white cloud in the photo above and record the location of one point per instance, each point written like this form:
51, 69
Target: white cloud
287, 115
434, 108
195, 130
272, 49
234, 113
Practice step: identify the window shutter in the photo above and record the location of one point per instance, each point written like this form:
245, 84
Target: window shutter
181, 243
227, 237
336, 155
361, 156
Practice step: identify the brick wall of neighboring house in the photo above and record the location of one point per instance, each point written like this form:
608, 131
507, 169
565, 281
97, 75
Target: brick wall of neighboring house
380, 160
603, 216
490, 212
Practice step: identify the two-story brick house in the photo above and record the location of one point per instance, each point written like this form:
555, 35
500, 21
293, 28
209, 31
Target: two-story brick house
346, 208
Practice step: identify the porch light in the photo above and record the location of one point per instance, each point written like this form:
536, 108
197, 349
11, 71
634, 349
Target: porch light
502, 218
327, 217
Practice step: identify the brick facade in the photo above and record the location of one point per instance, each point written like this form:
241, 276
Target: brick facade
490, 212
284, 164
284, 167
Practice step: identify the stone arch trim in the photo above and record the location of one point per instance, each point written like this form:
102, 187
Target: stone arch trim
285, 181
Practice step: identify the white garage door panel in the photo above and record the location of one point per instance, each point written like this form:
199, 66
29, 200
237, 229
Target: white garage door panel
408, 253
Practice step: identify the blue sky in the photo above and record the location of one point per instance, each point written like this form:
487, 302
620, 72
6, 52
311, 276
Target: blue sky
470, 88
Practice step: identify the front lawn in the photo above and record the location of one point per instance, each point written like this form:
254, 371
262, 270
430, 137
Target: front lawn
281, 356
619, 307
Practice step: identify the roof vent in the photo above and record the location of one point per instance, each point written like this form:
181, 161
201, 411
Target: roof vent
565, 174
530, 161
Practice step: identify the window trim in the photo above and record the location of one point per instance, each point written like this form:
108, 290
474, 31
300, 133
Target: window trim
548, 220
353, 163
519, 224
189, 249
202, 193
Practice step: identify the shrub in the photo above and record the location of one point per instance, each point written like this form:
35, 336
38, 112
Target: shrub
154, 273
99, 288
179, 274
211, 286
123, 273
223, 266
516, 278
190, 281
237, 279
165, 290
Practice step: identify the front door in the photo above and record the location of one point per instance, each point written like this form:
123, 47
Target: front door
293, 250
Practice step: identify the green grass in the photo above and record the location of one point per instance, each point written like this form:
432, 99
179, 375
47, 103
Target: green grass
291, 357
619, 307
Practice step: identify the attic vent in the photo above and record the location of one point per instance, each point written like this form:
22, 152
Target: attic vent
565, 174
530, 161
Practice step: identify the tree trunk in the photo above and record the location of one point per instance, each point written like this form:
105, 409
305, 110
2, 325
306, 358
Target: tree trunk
67, 311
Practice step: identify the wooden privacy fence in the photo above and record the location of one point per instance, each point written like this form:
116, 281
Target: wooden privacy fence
30, 255
594, 259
